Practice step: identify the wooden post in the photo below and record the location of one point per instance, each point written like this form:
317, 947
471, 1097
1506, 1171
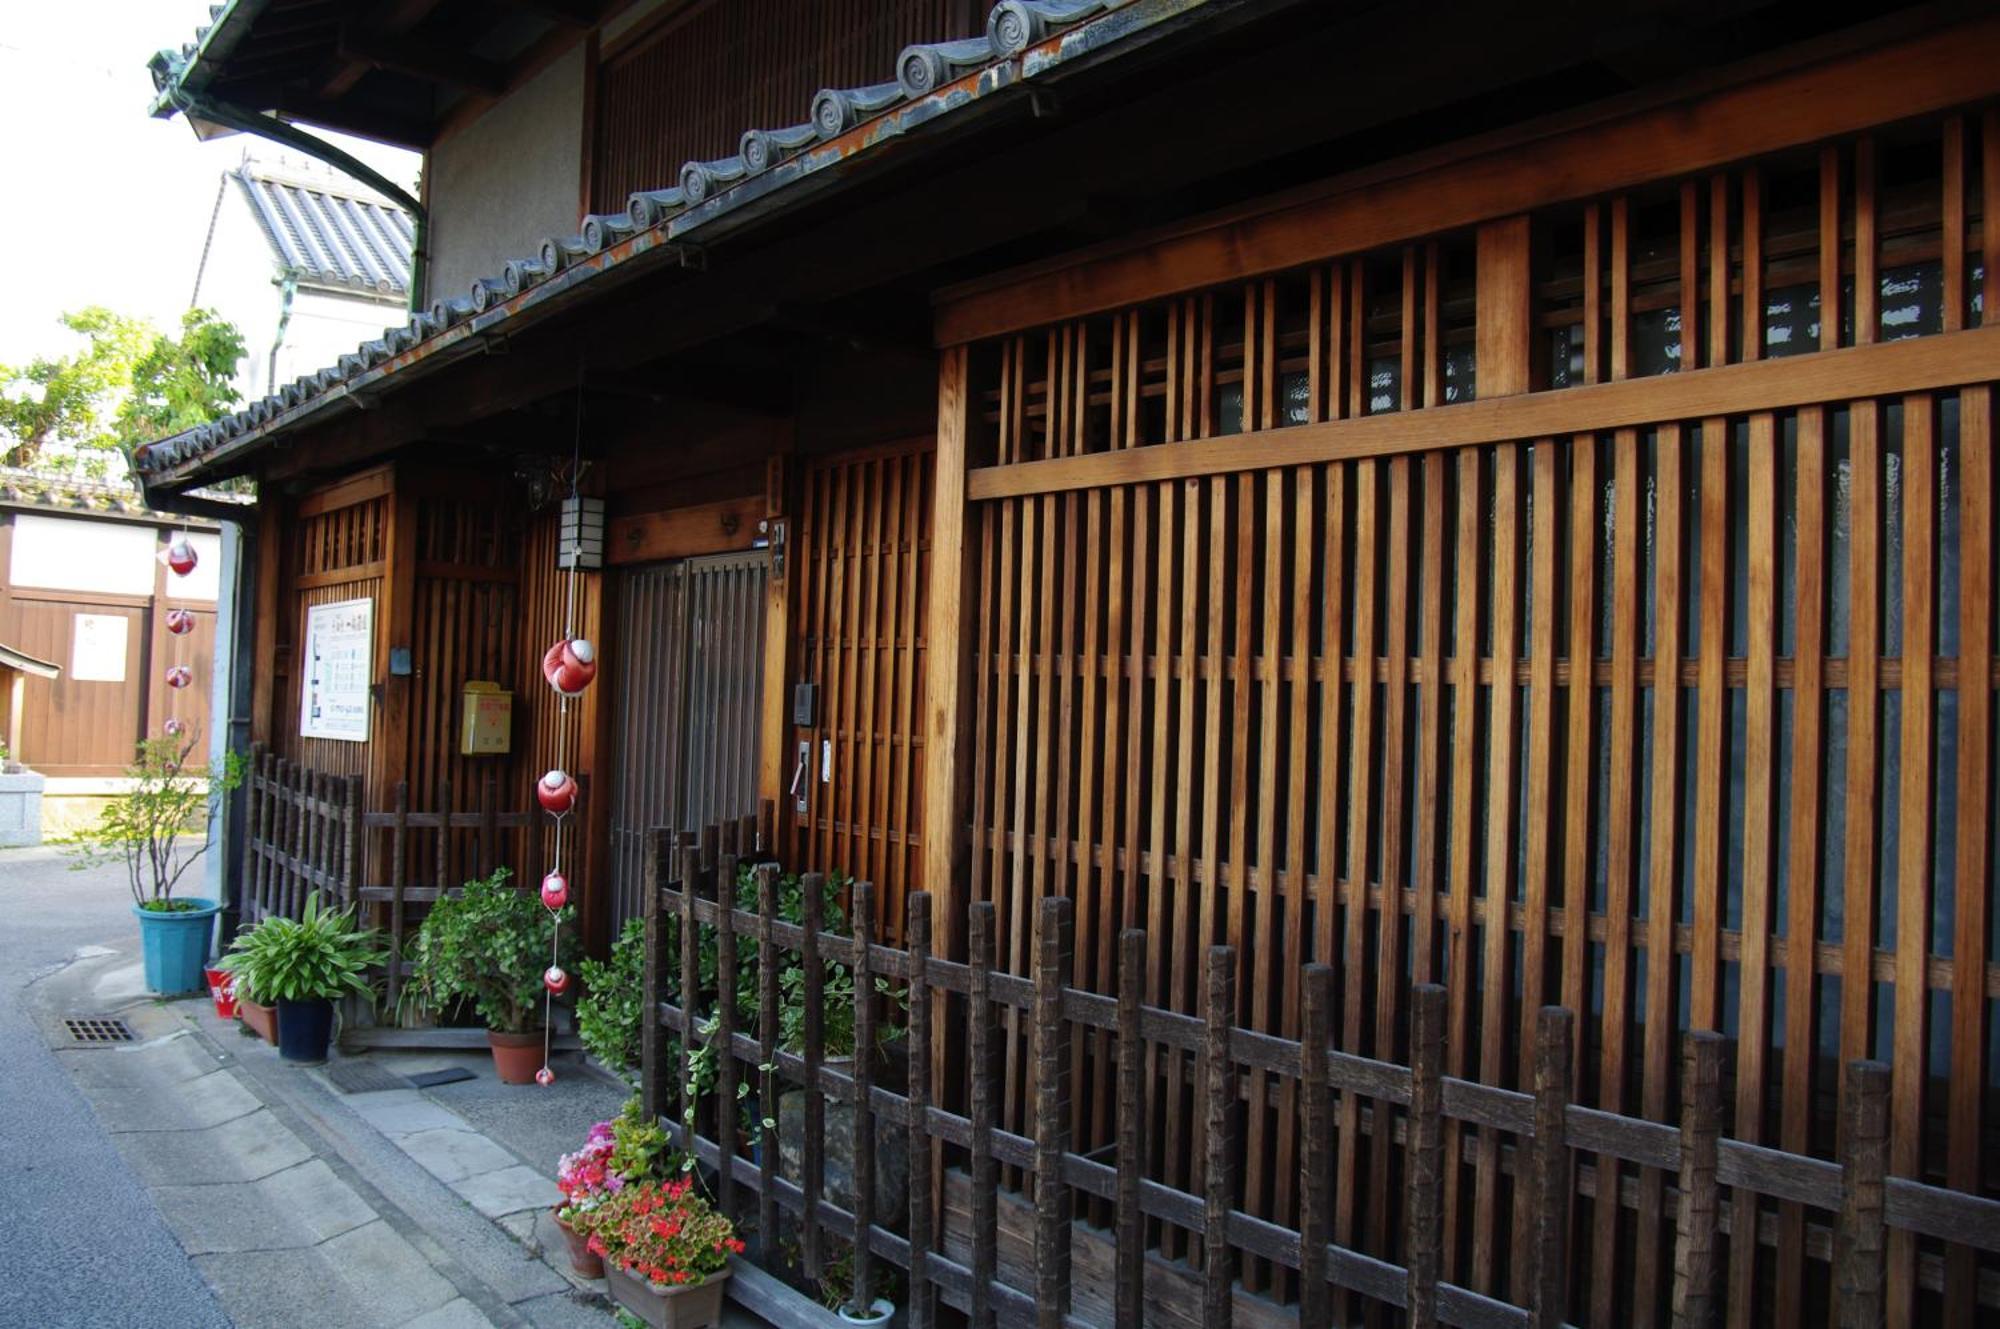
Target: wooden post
981, 1041
1130, 1222
658, 869
350, 860
1862, 1240
725, 1033
1054, 954
1218, 1125
489, 829
861, 917
947, 662
923, 1300
1550, 1188
1425, 1181
1504, 308
443, 847
690, 994
399, 832
1695, 1301
1315, 1144
770, 1086
813, 887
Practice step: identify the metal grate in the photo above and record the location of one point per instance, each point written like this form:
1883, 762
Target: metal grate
97, 1029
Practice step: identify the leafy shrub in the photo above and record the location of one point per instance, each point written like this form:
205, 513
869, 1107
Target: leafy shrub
489, 945
609, 1013
320, 955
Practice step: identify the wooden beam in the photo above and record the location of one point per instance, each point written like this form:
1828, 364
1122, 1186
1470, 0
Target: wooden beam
1386, 205
375, 49
1924, 364
707, 528
947, 663
1505, 307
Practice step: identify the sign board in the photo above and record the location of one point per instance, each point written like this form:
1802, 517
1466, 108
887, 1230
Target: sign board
339, 665
97, 647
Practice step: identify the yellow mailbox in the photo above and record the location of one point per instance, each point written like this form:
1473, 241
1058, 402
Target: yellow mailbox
488, 726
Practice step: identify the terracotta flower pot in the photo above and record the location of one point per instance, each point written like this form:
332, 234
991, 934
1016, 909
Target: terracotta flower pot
585, 1261
695, 1306
516, 1057
262, 1020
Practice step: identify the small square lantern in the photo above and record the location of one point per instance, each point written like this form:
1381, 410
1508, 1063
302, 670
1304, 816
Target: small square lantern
581, 544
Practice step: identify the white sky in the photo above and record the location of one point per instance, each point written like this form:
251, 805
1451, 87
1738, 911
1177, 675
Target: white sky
99, 203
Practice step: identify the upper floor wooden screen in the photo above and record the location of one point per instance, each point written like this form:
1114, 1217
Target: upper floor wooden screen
686, 90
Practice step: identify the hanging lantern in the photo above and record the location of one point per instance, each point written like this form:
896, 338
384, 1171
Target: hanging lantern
569, 666
556, 979
180, 555
556, 792
176, 727
545, 1077
180, 622
555, 890
179, 676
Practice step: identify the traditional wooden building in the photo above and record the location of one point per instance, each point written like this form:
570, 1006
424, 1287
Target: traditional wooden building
1488, 495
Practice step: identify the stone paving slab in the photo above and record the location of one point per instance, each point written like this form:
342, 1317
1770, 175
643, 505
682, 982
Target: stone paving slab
301, 1206
460, 1314
196, 1104
246, 1149
454, 1154
403, 1112
370, 1278
508, 1191
159, 1063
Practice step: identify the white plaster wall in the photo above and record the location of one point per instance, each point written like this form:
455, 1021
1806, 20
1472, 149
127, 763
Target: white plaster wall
512, 178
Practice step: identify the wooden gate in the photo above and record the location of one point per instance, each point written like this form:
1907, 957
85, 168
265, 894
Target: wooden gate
688, 674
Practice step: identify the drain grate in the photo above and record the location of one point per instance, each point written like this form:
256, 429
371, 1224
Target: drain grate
90, 1029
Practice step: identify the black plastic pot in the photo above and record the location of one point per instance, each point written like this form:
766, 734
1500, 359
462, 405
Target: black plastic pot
305, 1028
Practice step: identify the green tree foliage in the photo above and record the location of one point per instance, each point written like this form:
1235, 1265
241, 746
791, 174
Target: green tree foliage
127, 384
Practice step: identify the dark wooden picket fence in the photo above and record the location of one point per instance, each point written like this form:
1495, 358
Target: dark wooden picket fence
993, 1226
302, 833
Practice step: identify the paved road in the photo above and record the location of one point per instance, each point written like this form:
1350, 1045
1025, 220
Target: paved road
84, 1243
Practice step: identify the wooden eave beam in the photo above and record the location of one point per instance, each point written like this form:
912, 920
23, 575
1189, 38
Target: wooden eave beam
580, 15
434, 64
394, 18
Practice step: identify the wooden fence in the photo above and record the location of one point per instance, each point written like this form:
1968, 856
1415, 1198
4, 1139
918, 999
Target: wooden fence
968, 1239
302, 832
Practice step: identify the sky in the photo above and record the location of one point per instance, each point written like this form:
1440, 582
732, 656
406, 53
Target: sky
100, 203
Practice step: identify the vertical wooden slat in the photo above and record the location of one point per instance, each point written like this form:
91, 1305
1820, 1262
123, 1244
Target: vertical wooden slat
690, 985
1760, 757
1829, 247
947, 686
1360, 810
1426, 1160
1867, 284
1505, 306
1579, 721
1429, 836
1053, 960
1621, 289
1971, 906
1218, 1304
1712, 715
1390, 979
1718, 268
1857, 988
923, 1297
861, 917
1690, 275
1315, 1157
1464, 821
658, 869
1751, 320
398, 871
1550, 1186
1128, 1224
812, 887
1861, 1237
726, 1068
1914, 833
1699, 1213
1666, 846
769, 1087
1621, 853
1802, 870
981, 1035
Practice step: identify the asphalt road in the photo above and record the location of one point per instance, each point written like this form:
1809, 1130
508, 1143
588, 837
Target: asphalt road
83, 1242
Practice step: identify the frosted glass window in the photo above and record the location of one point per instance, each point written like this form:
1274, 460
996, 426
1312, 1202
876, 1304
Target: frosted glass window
110, 558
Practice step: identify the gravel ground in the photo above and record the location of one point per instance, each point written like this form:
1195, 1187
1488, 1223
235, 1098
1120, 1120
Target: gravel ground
85, 1244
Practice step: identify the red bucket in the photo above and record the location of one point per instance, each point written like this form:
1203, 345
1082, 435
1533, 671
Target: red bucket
222, 986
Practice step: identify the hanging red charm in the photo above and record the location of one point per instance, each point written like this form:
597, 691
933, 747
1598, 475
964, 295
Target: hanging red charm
545, 1077
555, 890
180, 622
176, 727
180, 555
556, 979
556, 792
179, 676
569, 666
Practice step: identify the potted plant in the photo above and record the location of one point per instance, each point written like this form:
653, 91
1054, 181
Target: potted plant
666, 1253
586, 1181
155, 831
304, 965
258, 1016
490, 945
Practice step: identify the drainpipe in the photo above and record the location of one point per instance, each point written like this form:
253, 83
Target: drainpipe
288, 287
198, 107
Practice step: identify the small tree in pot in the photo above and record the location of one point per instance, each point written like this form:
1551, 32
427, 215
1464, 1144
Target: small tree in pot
490, 945
151, 830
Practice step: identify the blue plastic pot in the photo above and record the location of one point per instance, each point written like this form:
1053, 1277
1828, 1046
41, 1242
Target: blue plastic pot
175, 946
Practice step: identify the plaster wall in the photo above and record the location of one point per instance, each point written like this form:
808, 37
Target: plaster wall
511, 179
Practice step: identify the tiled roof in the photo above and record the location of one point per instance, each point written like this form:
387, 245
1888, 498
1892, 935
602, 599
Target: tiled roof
30, 489
1023, 39
336, 237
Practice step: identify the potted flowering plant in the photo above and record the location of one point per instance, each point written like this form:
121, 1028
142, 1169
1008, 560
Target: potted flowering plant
586, 1181
666, 1253
490, 945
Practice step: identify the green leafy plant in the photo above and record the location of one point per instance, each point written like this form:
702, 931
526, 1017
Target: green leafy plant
151, 829
641, 1148
609, 1013
489, 945
321, 955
